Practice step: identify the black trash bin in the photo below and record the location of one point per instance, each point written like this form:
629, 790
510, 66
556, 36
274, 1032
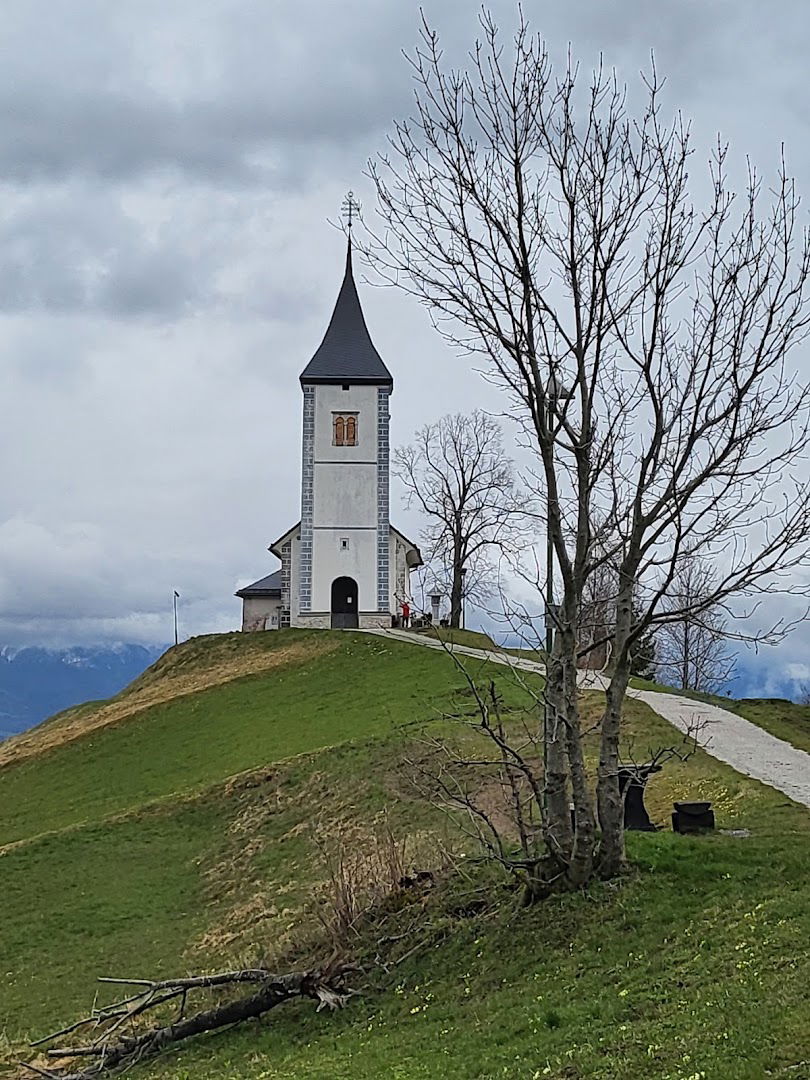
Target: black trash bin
692, 817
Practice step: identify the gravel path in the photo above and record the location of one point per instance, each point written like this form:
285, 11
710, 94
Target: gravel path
724, 735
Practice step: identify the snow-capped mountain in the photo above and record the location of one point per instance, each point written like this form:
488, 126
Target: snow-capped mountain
36, 682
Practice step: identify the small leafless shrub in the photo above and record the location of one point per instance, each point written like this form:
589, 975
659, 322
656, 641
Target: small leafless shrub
363, 869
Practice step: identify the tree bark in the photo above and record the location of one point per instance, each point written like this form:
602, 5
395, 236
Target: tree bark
582, 853
456, 592
609, 800
557, 829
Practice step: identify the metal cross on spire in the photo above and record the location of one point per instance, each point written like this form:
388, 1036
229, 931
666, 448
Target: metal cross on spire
350, 207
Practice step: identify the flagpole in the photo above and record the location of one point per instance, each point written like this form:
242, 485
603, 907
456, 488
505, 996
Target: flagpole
176, 595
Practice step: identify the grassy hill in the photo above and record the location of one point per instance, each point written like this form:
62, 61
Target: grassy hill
189, 823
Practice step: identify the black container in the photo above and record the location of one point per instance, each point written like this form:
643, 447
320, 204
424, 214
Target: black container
632, 781
692, 817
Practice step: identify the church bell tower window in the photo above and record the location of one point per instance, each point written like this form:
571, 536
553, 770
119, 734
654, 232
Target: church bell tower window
344, 429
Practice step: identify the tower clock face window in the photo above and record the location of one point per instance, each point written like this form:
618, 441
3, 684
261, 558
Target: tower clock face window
344, 429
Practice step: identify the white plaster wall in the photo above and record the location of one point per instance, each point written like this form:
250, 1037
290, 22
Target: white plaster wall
399, 576
358, 399
359, 561
255, 609
345, 495
344, 498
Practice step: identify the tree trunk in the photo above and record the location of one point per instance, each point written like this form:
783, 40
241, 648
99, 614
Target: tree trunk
609, 800
456, 593
131, 1049
582, 855
557, 829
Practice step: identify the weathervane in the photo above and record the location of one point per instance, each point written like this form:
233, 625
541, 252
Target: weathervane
349, 208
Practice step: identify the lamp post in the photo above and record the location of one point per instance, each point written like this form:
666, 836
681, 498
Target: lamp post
176, 598
463, 593
554, 392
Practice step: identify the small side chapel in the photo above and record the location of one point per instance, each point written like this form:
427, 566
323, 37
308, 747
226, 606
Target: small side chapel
343, 565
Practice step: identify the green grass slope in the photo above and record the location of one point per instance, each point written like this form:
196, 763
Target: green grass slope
104, 836
784, 719
180, 746
124, 895
190, 833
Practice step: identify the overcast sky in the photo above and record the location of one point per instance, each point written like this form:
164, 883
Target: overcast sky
167, 267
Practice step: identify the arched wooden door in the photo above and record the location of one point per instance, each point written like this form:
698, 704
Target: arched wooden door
344, 604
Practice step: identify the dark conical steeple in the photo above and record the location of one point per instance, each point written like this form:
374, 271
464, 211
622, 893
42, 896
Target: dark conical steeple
347, 353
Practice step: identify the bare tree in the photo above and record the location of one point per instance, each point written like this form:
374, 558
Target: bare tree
491, 781
457, 472
692, 650
644, 342
597, 615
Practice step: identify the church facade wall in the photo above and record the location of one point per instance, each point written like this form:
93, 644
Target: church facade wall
334, 400
295, 564
340, 507
344, 496
332, 560
398, 575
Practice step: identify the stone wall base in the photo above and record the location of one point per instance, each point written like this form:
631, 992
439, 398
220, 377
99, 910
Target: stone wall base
368, 620
312, 622
377, 620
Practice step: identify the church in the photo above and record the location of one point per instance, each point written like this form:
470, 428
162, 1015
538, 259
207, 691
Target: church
343, 565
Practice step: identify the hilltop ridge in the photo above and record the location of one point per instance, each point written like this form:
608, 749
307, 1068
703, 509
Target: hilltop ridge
189, 824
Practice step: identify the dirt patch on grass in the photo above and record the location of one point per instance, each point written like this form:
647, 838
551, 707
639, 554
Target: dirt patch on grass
157, 687
255, 913
299, 844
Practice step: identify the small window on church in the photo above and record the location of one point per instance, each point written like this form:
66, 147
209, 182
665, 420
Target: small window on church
345, 386
344, 429
344, 543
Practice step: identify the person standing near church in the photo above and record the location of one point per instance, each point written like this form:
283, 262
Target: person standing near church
406, 614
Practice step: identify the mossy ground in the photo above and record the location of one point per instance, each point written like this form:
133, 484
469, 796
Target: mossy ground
136, 850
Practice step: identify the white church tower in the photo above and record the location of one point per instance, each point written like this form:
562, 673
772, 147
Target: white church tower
343, 565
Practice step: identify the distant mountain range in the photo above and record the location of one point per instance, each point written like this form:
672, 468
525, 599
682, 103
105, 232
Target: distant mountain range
36, 682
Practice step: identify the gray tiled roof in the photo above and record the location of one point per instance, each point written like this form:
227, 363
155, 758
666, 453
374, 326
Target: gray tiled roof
266, 586
347, 353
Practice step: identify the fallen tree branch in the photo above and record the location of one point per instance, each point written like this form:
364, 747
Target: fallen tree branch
116, 1050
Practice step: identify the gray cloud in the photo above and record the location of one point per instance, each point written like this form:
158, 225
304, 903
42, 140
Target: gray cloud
166, 268
217, 92
144, 252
